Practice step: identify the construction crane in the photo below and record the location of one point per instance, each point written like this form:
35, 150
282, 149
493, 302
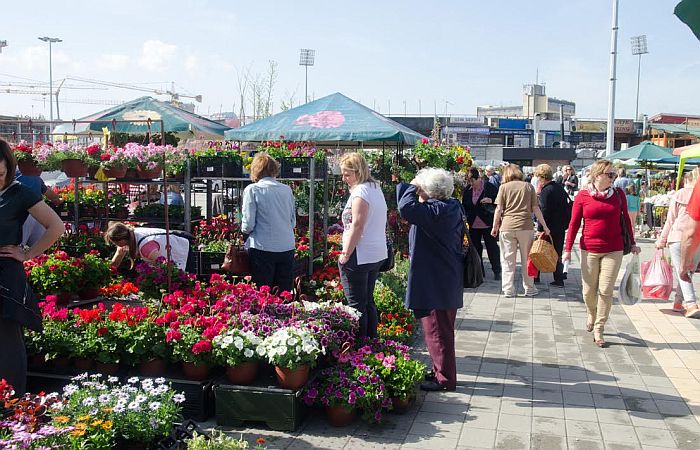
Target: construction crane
174, 96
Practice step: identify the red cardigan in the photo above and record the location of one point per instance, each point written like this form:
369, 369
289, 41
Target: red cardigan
601, 232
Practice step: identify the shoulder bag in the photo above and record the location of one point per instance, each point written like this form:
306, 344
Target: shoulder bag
626, 238
473, 275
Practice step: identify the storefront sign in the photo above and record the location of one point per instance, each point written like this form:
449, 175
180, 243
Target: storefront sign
590, 126
625, 126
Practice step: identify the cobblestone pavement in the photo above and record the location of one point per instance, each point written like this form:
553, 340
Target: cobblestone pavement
530, 376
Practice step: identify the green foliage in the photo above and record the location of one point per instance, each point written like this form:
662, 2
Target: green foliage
121, 139
386, 299
395, 279
218, 441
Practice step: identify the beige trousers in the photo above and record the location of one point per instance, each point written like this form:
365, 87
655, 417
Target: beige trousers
509, 242
599, 273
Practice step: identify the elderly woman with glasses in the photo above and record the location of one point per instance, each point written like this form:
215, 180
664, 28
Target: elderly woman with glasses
599, 205
435, 276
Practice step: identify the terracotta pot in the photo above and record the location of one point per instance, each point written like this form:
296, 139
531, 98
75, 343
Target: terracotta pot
107, 368
243, 373
149, 174
83, 364
74, 168
400, 405
29, 168
37, 361
61, 364
292, 378
88, 293
115, 172
63, 298
153, 367
131, 174
339, 416
195, 372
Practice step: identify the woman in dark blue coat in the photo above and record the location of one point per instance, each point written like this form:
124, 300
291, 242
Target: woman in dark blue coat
435, 284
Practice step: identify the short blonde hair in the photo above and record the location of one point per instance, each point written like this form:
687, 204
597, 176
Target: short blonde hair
355, 162
544, 172
512, 172
437, 183
598, 168
263, 165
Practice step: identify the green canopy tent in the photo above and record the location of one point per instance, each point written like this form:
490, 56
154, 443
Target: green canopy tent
334, 118
688, 11
646, 151
686, 155
175, 120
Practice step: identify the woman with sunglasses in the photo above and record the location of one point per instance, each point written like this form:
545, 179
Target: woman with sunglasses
600, 206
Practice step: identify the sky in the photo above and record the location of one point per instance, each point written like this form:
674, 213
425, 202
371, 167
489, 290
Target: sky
444, 56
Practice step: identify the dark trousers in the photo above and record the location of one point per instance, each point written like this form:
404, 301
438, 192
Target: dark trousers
439, 333
558, 243
358, 284
475, 236
272, 268
13, 355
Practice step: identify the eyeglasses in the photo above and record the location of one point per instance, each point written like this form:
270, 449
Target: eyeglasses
610, 175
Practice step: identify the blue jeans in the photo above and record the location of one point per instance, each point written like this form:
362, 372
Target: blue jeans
358, 284
272, 268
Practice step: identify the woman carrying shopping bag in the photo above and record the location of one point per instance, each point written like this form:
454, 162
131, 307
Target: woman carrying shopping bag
672, 235
603, 210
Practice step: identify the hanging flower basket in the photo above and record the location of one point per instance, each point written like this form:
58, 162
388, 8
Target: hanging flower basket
148, 174
74, 168
29, 168
115, 172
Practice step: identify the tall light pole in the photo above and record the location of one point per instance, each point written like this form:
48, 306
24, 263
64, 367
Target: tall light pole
639, 47
2, 45
306, 59
610, 142
51, 41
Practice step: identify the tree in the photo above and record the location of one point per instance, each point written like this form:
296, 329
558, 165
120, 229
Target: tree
287, 102
243, 78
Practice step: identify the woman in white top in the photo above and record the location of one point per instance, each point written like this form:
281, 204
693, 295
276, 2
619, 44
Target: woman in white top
364, 240
148, 244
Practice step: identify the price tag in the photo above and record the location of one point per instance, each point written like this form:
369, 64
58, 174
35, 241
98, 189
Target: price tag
64, 213
214, 266
210, 169
296, 169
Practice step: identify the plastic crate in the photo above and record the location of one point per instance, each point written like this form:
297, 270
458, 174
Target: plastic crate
300, 167
280, 409
210, 262
218, 167
199, 401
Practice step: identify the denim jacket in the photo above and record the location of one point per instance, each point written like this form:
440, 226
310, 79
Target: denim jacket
269, 216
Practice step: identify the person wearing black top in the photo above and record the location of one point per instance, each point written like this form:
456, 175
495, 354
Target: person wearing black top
18, 306
478, 202
554, 203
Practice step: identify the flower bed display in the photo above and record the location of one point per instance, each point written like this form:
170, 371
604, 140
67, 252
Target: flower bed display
93, 412
219, 159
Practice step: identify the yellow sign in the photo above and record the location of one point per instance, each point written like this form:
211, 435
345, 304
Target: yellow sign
693, 122
590, 126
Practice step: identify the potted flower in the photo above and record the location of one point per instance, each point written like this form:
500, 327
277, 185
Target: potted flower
175, 162
58, 339
96, 274
139, 412
239, 351
72, 159
117, 204
115, 163
293, 350
27, 163
57, 274
400, 373
192, 349
219, 159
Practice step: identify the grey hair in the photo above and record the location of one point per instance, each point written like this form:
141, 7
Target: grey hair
437, 183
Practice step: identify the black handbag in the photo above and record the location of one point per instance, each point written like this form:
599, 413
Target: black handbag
388, 263
473, 276
626, 238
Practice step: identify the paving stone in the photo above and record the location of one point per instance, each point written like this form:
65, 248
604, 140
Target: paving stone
656, 436
584, 444
476, 438
547, 442
613, 416
548, 426
618, 433
513, 422
485, 420
438, 429
578, 428
512, 441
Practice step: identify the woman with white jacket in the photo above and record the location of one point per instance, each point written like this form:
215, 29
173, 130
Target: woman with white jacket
672, 235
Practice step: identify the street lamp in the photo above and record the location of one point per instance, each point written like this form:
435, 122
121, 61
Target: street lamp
306, 59
610, 137
639, 47
50, 40
2, 45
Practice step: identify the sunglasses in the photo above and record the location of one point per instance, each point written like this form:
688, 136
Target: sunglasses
610, 175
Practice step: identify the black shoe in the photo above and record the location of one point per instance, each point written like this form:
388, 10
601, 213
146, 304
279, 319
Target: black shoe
557, 283
565, 276
432, 385
497, 276
429, 375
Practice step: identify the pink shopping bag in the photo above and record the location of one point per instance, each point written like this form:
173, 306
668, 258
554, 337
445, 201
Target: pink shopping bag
657, 277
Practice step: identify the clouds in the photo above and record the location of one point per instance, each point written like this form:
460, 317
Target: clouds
113, 62
156, 55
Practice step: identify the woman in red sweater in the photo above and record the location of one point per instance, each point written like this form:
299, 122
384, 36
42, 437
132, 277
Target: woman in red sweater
599, 205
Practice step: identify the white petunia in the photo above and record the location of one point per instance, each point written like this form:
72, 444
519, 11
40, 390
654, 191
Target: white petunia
154, 406
113, 379
160, 380
70, 389
104, 398
248, 353
134, 406
133, 380
179, 398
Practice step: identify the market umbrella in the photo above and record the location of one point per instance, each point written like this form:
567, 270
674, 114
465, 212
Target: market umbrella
685, 156
334, 118
134, 114
688, 11
646, 151
678, 150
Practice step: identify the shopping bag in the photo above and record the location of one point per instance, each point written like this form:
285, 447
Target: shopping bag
657, 277
543, 254
473, 276
630, 286
531, 269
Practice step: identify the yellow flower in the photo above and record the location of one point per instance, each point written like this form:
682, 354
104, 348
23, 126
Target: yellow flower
88, 191
80, 426
62, 419
78, 432
83, 418
107, 425
96, 423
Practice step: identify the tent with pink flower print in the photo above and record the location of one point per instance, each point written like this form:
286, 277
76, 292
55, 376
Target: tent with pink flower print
334, 118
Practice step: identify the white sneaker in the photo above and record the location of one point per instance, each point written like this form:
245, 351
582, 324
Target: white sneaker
531, 293
692, 312
508, 295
